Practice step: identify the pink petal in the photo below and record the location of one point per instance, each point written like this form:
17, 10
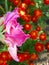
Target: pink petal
17, 37
20, 37
10, 16
19, 26
8, 26
13, 52
6, 18
8, 42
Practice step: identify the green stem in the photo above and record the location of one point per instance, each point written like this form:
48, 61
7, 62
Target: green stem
6, 5
10, 8
2, 9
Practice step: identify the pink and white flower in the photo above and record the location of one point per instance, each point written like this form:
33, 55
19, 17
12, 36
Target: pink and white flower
14, 35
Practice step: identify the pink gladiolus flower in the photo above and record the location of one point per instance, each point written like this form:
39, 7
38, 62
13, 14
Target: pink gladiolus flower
14, 35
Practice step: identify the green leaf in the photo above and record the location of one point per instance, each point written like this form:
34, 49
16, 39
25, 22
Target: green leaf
13, 63
17, 63
1, 37
28, 45
1, 28
3, 47
38, 1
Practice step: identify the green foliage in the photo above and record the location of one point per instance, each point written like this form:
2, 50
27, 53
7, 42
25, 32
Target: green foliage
17, 63
5, 6
21, 21
1, 28
28, 45
3, 47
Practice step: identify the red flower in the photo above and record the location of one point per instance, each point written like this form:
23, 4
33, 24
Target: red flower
23, 6
2, 61
37, 13
34, 56
33, 34
21, 57
42, 36
27, 18
34, 19
38, 28
32, 3
39, 47
46, 2
27, 26
21, 13
26, 55
47, 46
27, 1
6, 56
9, 58
15, 2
